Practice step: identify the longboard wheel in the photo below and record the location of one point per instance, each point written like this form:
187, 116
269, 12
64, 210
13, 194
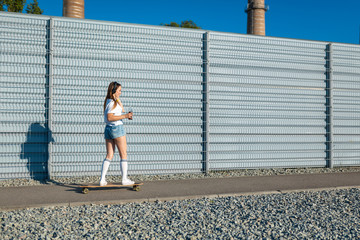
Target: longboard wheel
85, 190
136, 188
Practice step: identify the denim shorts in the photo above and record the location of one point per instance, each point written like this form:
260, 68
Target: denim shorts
112, 132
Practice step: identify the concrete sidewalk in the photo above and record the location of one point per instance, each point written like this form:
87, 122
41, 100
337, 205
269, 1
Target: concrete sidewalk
71, 195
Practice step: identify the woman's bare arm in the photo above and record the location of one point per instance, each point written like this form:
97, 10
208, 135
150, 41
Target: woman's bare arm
111, 117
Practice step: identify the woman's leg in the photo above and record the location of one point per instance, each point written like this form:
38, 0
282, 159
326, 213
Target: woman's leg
122, 147
110, 149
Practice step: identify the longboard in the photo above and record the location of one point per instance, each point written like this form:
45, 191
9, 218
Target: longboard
85, 188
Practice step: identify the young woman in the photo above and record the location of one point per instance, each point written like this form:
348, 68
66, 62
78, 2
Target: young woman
114, 132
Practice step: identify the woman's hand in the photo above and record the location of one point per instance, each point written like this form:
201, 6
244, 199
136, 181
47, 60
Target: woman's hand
129, 115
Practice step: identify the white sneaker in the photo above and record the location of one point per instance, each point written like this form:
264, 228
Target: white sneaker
103, 183
127, 182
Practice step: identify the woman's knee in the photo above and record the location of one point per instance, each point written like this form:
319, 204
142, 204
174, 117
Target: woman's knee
123, 154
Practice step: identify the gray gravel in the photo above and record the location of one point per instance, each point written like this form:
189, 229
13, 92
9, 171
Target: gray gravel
212, 174
302, 215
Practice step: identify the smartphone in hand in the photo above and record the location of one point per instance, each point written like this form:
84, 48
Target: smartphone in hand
130, 111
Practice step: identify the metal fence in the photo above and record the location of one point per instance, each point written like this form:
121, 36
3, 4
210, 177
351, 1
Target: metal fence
202, 100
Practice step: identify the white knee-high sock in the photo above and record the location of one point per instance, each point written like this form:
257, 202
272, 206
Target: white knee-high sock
124, 168
104, 169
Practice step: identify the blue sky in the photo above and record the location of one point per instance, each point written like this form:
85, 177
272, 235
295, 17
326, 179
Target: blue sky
323, 20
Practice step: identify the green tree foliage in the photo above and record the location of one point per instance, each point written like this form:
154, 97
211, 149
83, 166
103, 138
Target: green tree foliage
184, 24
33, 8
18, 6
12, 5
172, 24
189, 24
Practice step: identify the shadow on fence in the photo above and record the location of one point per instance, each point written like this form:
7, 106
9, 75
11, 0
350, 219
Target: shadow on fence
35, 151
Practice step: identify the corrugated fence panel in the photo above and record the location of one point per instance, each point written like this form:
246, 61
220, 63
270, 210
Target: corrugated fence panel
161, 73
346, 110
267, 99
23, 69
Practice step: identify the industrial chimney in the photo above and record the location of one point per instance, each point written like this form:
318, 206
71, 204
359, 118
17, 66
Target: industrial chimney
73, 8
256, 17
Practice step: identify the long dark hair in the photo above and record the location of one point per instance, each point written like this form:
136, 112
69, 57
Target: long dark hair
113, 86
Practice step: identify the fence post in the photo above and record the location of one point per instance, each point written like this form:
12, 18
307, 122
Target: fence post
329, 106
206, 124
49, 91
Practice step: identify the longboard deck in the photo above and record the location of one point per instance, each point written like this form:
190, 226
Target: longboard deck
135, 186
